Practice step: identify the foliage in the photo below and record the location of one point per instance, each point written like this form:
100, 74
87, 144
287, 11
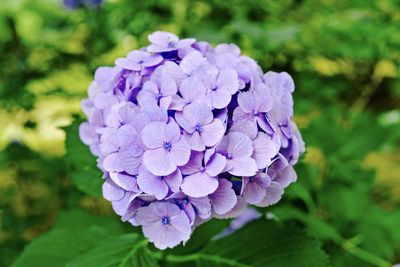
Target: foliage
344, 58
94, 244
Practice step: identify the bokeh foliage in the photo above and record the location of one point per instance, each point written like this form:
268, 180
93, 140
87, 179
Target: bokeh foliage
343, 55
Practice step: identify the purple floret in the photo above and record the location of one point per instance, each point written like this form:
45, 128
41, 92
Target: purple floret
185, 132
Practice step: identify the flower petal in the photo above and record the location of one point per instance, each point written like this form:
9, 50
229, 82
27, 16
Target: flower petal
215, 165
253, 193
124, 181
212, 133
153, 135
192, 89
247, 101
202, 206
111, 163
247, 127
239, 145
172, 132
272, 195
159, 162
180, 153
199, 185
194, 164
264, 150
224, 198
198, 113
241, 166
195, 141
192, 61
286, 177
228, 81
111, 191
152, 184
130, 159
174, 180
220, 98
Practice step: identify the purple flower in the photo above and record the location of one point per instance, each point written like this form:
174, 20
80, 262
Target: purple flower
138, 60
159, 186
193, 207
281, 86
74, 4
265, 148
254, 188
253, 105
281, 171
202, 129
202, 175
187, 69
237, 148
165, 42
158, 94
124, 181
185, 132
272, 195
164, 224
224, 198
166, 148
220, 85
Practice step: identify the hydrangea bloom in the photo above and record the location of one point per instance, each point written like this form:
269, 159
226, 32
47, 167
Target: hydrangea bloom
74, 4
185, 132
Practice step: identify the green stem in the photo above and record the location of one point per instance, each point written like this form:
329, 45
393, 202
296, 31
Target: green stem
362, 254
183, 258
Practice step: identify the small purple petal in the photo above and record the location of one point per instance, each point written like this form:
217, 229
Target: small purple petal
111, 191
199, 185
224, 198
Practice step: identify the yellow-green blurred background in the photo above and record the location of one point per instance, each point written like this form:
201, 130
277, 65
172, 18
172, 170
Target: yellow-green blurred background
343, 55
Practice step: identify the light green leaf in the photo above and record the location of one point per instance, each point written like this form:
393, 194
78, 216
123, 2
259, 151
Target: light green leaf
122, 251
82, 164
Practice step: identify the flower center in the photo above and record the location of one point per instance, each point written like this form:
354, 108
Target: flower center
214, 88
198, 128
202, 169
165, 220
255, 112
229, 156
185, 201
167, 146
159, 96
171, 44
141, 61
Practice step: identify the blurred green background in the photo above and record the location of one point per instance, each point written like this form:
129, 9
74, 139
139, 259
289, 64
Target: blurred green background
343, 55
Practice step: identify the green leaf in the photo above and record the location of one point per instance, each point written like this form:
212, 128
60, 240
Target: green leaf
58, 246
315, 226
79, 220
263, 243
122, 251
82, 164
74, 233
201, 236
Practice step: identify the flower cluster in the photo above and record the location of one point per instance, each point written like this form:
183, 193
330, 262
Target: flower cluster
185, 132
74, 4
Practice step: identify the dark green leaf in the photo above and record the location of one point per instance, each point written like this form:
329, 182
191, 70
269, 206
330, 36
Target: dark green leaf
74, 233
261, 243
59, 246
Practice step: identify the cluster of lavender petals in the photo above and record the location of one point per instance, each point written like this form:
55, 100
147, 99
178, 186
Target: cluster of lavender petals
185, 132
